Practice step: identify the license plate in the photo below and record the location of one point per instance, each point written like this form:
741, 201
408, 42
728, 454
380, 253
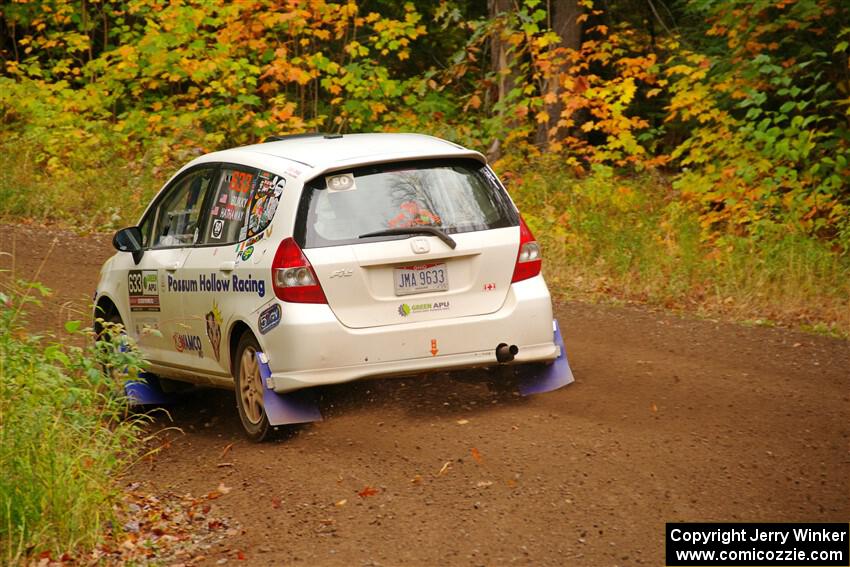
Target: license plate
421, 278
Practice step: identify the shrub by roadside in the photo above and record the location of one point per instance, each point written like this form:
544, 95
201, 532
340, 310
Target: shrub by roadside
65, 433
633, 238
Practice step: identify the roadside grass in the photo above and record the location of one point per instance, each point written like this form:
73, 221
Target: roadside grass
631, 239
94, 186
65, 433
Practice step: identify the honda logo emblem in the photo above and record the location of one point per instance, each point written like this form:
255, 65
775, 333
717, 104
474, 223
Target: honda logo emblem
420, 245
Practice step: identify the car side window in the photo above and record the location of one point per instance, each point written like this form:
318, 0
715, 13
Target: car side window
177, 219
245, 200
229, 204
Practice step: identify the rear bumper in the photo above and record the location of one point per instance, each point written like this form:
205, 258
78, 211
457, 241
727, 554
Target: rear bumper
311, 347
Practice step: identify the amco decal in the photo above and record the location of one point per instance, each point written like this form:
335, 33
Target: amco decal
188, 342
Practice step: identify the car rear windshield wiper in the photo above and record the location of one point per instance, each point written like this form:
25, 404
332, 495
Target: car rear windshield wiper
432, 230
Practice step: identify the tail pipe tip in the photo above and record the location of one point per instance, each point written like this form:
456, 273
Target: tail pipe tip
505, 353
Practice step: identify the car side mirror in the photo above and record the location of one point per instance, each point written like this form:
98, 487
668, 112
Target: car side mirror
129, 240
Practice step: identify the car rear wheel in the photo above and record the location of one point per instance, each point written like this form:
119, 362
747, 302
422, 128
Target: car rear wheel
249, 389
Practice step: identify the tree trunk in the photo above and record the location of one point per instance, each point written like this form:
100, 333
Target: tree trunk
563, 16
501, 62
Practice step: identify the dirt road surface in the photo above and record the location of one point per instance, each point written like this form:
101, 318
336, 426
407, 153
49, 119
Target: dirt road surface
670, 419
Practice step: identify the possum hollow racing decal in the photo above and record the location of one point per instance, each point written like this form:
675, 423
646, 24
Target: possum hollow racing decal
217, 283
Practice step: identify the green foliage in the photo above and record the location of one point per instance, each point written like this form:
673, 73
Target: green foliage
632, 238
743, 105
64, 433
766, 106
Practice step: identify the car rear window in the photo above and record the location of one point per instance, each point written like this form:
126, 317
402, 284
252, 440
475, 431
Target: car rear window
454, 196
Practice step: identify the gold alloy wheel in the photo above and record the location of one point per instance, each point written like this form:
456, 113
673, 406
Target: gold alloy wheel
251, 386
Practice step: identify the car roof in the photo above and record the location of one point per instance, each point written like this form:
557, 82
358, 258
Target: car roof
326, 152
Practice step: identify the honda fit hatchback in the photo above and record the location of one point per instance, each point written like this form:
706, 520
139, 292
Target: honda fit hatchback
337, 257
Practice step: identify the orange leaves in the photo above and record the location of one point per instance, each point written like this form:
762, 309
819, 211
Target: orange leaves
367, 492
473, 102
218, 492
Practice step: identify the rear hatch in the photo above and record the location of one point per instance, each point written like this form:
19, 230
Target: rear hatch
408, 242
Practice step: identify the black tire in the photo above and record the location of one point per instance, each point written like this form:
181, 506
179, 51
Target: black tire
249, 389
110, 316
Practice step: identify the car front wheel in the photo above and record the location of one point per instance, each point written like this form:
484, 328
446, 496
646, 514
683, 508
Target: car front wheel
249, 389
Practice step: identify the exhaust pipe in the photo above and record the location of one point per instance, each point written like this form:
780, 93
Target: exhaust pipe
505, 353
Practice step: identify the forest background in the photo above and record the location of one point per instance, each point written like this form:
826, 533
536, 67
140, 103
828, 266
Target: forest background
693, 154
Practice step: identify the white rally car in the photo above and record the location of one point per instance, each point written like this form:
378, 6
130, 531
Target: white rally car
336, 257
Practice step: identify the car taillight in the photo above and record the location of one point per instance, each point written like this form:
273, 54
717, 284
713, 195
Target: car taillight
293, 277
528, 260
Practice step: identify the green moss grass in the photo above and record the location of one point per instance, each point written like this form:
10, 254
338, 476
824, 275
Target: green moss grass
65, 435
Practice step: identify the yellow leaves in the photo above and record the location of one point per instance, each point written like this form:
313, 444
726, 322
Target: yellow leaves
541, 117
628, 91
377, 109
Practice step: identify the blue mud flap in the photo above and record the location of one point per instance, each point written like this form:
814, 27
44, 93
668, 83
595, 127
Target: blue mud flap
284, 409
550, 377
146, 391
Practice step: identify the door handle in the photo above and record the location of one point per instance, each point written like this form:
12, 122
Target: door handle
227, 266
172, 266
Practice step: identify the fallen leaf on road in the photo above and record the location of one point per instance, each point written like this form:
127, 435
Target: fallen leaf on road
484, 483
416, 479
341, 503
219, 492
476, 455
653, 408
275, 502
462, 421
225, 450
240, 556
368, 491
444, 468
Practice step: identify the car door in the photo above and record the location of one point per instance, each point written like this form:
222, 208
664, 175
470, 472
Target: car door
157, 284
227, 262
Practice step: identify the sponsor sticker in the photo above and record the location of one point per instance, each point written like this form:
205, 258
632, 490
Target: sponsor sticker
216, 283
143, 289
191, 343
269, 319
217, 229
406, 309
213, 321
